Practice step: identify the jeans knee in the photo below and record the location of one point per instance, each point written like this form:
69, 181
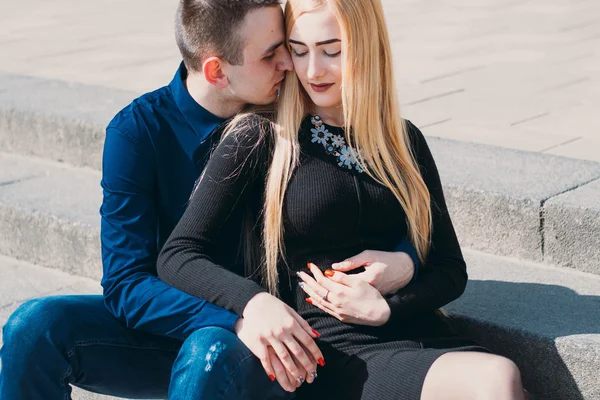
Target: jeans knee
34, 324
213, 347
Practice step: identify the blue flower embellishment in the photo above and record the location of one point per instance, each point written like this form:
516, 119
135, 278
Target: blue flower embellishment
334, 145
320, 135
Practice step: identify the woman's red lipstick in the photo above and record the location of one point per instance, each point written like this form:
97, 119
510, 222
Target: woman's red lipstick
321, 88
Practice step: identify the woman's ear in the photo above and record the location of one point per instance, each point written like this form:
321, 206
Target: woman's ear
213, 72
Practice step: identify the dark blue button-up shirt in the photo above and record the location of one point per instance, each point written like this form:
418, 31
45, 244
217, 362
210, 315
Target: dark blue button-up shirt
155, 150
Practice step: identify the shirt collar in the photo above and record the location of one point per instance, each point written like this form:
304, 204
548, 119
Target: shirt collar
199, 119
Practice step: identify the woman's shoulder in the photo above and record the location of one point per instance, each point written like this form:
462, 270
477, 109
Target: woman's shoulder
246, 141
249, 130
415, 136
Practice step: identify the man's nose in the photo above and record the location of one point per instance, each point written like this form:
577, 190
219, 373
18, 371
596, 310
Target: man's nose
285, 63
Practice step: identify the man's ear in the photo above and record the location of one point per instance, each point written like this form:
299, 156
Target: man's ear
213, 72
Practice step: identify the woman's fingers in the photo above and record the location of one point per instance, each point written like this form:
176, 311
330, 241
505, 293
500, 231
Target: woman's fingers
312, 288
331, 280
281, 373
304, 325
287, 360
265, 360
311, 347
300, 355
325, 306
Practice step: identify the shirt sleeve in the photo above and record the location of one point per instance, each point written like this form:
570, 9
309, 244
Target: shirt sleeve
186, 261
443, 276
132, 291
407, 247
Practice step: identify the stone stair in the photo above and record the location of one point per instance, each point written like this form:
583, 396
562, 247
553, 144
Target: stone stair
529, 224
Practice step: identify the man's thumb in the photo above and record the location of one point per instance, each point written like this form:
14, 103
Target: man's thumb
349, 264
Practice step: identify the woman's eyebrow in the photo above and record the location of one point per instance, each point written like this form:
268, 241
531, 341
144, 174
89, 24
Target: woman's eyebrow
324, 42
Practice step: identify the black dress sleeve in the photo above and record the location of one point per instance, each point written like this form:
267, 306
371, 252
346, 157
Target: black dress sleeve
443, 276
187, 261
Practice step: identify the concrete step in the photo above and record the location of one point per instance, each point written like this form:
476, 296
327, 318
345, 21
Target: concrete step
50, 210
508, 202
544, 318
57, 120
515, 203
49, 214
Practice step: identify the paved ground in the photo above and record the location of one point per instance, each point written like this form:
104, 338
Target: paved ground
522, 74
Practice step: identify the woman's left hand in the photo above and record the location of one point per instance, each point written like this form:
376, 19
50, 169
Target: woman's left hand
346, 297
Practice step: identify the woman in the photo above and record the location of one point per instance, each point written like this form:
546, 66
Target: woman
338, 173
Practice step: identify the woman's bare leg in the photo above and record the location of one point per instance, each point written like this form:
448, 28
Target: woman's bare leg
466, 375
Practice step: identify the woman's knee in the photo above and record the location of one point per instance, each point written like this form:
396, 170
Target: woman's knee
503, 372
497, 377
459, 375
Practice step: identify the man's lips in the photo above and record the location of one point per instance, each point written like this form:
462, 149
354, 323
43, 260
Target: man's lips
321, 88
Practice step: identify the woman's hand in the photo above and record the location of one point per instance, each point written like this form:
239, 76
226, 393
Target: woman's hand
386, 271
346, 297
268, 323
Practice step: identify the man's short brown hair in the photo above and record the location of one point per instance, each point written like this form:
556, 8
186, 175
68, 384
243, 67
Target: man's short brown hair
205, 28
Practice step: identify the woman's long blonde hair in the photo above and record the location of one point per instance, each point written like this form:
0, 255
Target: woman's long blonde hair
372, 120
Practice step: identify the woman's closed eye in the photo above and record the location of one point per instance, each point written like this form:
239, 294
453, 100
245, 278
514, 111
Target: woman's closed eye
302, 54
297, 53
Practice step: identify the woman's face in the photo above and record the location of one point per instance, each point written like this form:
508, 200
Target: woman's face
316, 47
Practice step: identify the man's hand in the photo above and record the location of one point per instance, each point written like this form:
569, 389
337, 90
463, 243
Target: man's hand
271, 328
346, 297
386, 271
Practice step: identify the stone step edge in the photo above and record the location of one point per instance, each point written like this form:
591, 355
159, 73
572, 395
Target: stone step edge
21, 228
59, 120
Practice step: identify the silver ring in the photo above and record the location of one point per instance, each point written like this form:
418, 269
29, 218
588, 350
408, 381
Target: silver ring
324, 297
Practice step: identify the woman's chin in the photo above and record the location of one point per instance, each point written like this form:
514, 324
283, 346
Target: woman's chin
321, 102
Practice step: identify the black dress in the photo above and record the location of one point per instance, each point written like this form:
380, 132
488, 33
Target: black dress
332, 211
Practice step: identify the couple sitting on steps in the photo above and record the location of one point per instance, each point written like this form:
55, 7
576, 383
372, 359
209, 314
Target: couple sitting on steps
272, 228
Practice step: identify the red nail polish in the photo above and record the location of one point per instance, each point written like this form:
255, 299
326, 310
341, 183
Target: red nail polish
309, 301
329, 273
321, 362
308, 265
272, 378
317, 334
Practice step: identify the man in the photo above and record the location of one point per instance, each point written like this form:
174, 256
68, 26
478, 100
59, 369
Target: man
143, 338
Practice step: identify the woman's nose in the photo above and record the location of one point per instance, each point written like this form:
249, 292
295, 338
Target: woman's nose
314, 70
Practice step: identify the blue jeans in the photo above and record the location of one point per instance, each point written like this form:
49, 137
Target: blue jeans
55, 342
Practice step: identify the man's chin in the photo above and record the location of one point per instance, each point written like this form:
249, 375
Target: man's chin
267, 101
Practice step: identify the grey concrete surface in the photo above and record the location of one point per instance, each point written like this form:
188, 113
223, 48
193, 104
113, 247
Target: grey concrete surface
57, 120
572, 229
49, 214
495, 195
517, 74
545, 319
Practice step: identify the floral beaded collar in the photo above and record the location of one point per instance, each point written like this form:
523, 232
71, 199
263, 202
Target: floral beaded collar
334, 145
